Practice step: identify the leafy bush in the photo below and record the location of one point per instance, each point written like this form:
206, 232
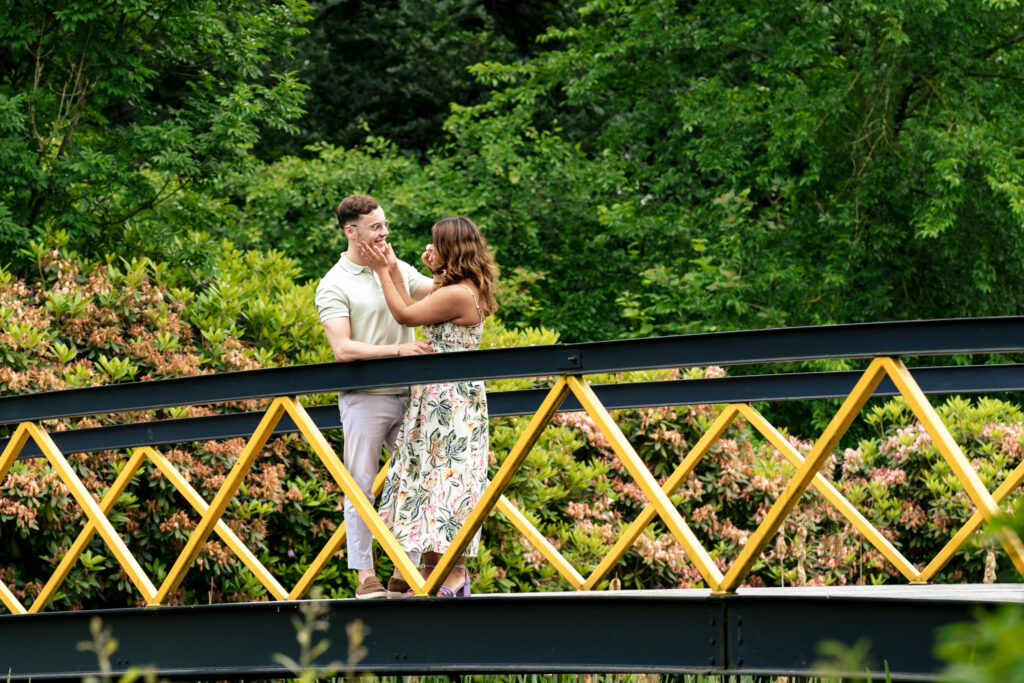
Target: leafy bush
84, 323
896, 479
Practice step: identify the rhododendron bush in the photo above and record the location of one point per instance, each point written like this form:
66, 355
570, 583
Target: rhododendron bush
82, 323
894, 476
87, 324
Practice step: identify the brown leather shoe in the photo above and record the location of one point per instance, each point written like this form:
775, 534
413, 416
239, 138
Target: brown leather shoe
370, 588
397, 587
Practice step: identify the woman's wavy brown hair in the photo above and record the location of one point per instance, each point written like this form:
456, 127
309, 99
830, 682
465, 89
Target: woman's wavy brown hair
465, 255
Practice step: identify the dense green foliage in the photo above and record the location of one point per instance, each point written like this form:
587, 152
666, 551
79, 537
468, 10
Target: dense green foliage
985, 651
726, 165
393, 68
788, 162
645, 167
677, 167
110, 112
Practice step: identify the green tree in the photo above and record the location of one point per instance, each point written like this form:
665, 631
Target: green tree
394, 67
782, 163
109, 111
670, 168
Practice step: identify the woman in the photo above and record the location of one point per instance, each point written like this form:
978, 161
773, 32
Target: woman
439, 464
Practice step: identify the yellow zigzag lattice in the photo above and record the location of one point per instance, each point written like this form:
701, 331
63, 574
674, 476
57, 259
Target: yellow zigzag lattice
278, 408
93, 512
807, 474
210, 515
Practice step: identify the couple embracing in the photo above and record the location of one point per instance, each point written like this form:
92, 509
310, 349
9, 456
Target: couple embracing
437, 434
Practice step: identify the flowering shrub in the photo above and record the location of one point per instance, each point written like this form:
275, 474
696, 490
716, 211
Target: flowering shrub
86, 324
82, 324
896, 479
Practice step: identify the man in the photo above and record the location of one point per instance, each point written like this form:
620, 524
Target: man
359, 325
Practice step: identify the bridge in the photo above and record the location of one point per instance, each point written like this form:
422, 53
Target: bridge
725, 628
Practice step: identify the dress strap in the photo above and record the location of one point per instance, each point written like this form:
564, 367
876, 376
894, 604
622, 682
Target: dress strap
481, 315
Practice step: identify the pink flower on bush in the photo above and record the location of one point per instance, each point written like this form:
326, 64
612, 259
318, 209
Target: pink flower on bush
630, 490
890, 476
576, 510
729, 530
713, 371
852, 460
913, 516
534, 559
907, 439
583, 423
703, 513
1008, 436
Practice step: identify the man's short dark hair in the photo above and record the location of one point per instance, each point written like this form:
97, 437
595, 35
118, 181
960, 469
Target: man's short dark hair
354, 206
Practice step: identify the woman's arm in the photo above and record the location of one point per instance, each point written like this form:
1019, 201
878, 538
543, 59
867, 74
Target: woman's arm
447, 303
394, 275
344, 348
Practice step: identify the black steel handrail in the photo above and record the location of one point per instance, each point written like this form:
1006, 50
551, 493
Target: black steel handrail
743, 389
860, 340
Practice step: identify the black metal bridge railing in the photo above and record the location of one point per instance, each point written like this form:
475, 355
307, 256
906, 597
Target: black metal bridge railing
884, 343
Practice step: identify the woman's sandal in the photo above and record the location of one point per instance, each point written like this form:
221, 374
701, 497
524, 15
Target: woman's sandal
444, 591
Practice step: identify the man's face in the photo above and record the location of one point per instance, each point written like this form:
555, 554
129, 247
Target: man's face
371, 228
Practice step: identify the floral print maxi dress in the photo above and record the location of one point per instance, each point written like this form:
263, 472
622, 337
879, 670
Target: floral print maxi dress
439, 466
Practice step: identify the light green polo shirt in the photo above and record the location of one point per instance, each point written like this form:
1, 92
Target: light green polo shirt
354, 292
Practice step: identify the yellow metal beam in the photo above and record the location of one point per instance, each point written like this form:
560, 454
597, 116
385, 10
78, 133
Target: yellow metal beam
826, 489
363, 507
13, 448
220, 502
805, 474
75, 551
647, 483
954, 456
10, 600
538, 541
243, 553
92, 510
326, 553
499, 483
674, 481
1011, 482
10, 454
